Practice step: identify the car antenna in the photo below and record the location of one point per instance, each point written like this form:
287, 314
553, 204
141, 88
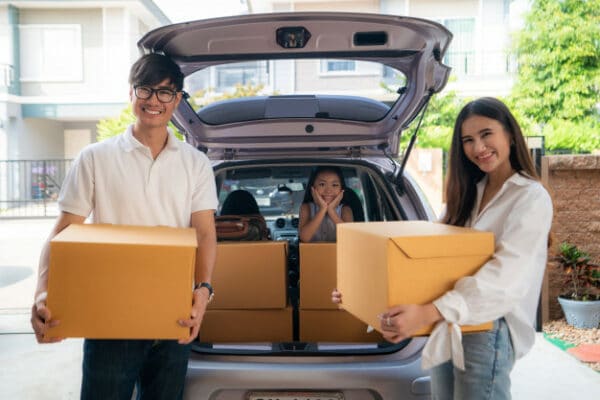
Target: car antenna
399, 181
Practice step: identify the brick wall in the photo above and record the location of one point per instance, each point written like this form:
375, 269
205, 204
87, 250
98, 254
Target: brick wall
574, 182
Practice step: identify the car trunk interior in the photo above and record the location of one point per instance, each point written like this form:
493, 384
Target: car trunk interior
274, 296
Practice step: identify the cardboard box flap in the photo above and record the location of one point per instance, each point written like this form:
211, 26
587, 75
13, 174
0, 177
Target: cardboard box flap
436, 246
138, 235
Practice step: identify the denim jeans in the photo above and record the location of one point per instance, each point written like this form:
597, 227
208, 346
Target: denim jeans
489, 358
111, 369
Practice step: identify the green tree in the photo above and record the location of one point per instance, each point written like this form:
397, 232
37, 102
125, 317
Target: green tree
438, 122
558, 82
205, 97
110, 127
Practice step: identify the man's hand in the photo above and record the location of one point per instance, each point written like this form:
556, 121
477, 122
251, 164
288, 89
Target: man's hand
41, 320
200, 301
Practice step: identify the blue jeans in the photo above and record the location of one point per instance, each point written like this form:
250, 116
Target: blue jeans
111, 369
489, 358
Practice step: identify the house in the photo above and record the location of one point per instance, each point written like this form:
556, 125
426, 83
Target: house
63, 66
478, 53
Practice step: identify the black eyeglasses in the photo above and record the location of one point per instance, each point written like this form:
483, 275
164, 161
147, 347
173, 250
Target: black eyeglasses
163, 95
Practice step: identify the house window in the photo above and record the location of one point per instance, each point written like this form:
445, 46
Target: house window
337, 66
51, 53
247, 73
461, 54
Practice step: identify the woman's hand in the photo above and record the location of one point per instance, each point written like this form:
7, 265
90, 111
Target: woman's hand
403, 321
336, 297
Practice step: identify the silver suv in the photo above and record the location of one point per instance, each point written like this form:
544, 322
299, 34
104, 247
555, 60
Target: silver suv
333, 89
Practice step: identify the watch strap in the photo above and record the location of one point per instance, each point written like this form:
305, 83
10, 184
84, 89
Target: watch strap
211, 292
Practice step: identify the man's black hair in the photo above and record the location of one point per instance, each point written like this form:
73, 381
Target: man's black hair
151, 69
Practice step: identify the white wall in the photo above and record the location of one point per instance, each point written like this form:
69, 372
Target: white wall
74, 141
105, 50
394, 7
38, 139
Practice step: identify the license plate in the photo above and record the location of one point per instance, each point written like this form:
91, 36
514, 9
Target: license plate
295, 396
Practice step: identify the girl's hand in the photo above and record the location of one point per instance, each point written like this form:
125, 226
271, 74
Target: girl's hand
319, 201
336, 202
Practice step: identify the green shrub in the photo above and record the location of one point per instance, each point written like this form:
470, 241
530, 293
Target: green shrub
578, 137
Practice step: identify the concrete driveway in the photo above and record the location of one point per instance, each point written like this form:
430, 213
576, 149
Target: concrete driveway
47, 372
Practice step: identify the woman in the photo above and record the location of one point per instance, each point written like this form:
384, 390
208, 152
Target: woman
492, 186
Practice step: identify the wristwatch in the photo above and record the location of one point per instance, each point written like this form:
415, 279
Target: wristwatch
211, 292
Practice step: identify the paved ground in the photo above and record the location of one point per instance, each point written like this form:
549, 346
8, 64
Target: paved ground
31, 371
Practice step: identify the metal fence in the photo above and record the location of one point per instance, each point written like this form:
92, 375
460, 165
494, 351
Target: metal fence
29, 188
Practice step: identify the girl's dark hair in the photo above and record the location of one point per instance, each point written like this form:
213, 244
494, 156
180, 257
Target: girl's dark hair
463, 175
313, 176
151, 69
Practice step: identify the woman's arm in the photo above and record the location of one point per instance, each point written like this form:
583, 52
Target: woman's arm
517, 266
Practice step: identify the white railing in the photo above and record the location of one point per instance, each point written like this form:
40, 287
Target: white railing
7, 75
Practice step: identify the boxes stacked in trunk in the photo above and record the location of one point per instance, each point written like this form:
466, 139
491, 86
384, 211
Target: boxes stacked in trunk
250, 304
320, 319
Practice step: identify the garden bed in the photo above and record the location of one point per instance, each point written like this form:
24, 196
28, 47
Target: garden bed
565, 336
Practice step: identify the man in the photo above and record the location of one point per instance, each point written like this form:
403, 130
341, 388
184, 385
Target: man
145, 176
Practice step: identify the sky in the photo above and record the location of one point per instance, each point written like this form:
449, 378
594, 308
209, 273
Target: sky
189, 10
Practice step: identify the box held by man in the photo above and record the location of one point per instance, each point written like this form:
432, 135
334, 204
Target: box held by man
121, 282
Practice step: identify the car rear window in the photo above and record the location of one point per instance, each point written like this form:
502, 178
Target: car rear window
303, 88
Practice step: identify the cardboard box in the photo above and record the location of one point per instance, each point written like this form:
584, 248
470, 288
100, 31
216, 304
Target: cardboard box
381, 264
247, 326
120, 282
334, 326
317, 275
250, 275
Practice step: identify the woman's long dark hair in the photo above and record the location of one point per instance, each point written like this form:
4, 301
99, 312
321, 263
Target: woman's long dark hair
308, 198
463, 175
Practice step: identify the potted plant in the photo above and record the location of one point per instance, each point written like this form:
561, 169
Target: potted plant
580, 297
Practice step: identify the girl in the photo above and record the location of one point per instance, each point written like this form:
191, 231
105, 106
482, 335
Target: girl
322, 206
492, 186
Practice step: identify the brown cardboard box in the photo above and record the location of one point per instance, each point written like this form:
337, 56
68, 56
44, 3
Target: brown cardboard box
381, 264
334, 326
242, 326
317, 275
112, 281
250, 275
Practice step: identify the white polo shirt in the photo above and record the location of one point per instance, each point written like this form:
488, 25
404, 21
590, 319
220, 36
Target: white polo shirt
119, 182
509, 285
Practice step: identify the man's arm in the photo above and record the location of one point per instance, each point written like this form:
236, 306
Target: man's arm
206, 254
40, 315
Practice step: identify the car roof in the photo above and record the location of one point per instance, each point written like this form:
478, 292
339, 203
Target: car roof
341, 124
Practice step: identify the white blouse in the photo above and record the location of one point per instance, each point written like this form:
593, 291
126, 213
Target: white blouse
509, 284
